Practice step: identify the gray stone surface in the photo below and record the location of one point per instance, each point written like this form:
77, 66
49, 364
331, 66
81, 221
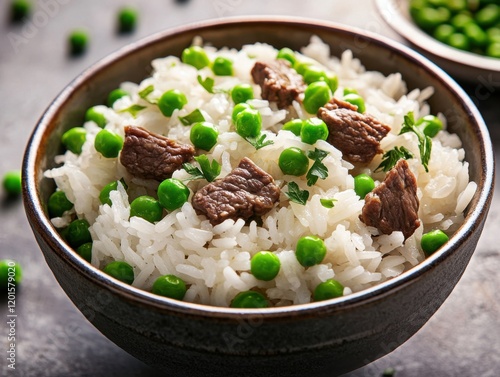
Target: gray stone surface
52, 336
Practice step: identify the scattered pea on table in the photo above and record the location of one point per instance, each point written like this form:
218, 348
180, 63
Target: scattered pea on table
10, 272
127, 20
78, 42
12, 183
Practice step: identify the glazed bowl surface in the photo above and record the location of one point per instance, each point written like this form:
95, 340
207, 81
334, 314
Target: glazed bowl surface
322, 338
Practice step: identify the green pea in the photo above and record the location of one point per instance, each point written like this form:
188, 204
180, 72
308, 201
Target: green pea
293, 161
333, 81
12, 183
316, 95
19, 10
429, 18
204, 135
108, 143
10, 272
115, 95
78, 40
85, 251
170, 286
456, 5
172, 194
170, 101
488, 16
493, 35
356, 100
58, 204
433, 240
313, 74
242, 93
127, 20
249, 299
476, 35
459, 21
327, 290
195, 56
287, 54
493, 50
312, 130
294, 125
265, 265
74, 138
222, 66
430, 124
104, 194
460, 41
248, 123
310, 250
350, 91
121, 271
78, 233
301, 67
363, 184
443, 32
238, 109
95, 116
146, 207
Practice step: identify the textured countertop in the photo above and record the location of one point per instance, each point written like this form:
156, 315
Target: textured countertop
52, 337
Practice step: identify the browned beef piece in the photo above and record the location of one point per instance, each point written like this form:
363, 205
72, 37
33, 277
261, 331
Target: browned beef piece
245, 192
278, 81
356, 135
151, 156
393, 205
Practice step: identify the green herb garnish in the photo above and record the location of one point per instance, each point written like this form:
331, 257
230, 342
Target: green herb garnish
295, 194
134, 109
391, 158
318, 169
424, 141
209, 171
328, 202
194, 117
259, 141
208, 84
144, 93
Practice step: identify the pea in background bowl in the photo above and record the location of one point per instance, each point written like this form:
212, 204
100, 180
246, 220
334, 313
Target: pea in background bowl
323, 338
462, 65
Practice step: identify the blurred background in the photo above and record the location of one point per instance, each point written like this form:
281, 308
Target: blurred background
52, 337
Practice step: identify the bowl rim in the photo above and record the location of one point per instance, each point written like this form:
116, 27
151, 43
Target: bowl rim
38, 219
396, 15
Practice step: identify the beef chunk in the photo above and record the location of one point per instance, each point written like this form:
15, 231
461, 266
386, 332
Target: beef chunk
393, 205
278, 81
151, 156
245, 192
356, 135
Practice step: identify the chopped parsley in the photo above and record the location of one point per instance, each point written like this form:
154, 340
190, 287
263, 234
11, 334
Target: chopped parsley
424, 141
295, 194
392, 157
144, 93
194, 117
318, 169
259, 141
208, 84
134, 109
328, 202
209, 171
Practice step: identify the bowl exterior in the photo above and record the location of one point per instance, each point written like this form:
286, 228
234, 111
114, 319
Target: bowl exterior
325, 338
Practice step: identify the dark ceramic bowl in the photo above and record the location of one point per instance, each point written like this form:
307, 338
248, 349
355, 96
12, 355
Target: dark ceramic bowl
323, 338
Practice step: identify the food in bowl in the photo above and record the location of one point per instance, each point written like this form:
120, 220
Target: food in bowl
260, 177
470, 25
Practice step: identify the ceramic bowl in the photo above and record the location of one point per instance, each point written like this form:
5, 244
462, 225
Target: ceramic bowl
321, 338
462, 65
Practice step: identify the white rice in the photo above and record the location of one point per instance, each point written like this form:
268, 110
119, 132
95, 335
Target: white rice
214, 261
